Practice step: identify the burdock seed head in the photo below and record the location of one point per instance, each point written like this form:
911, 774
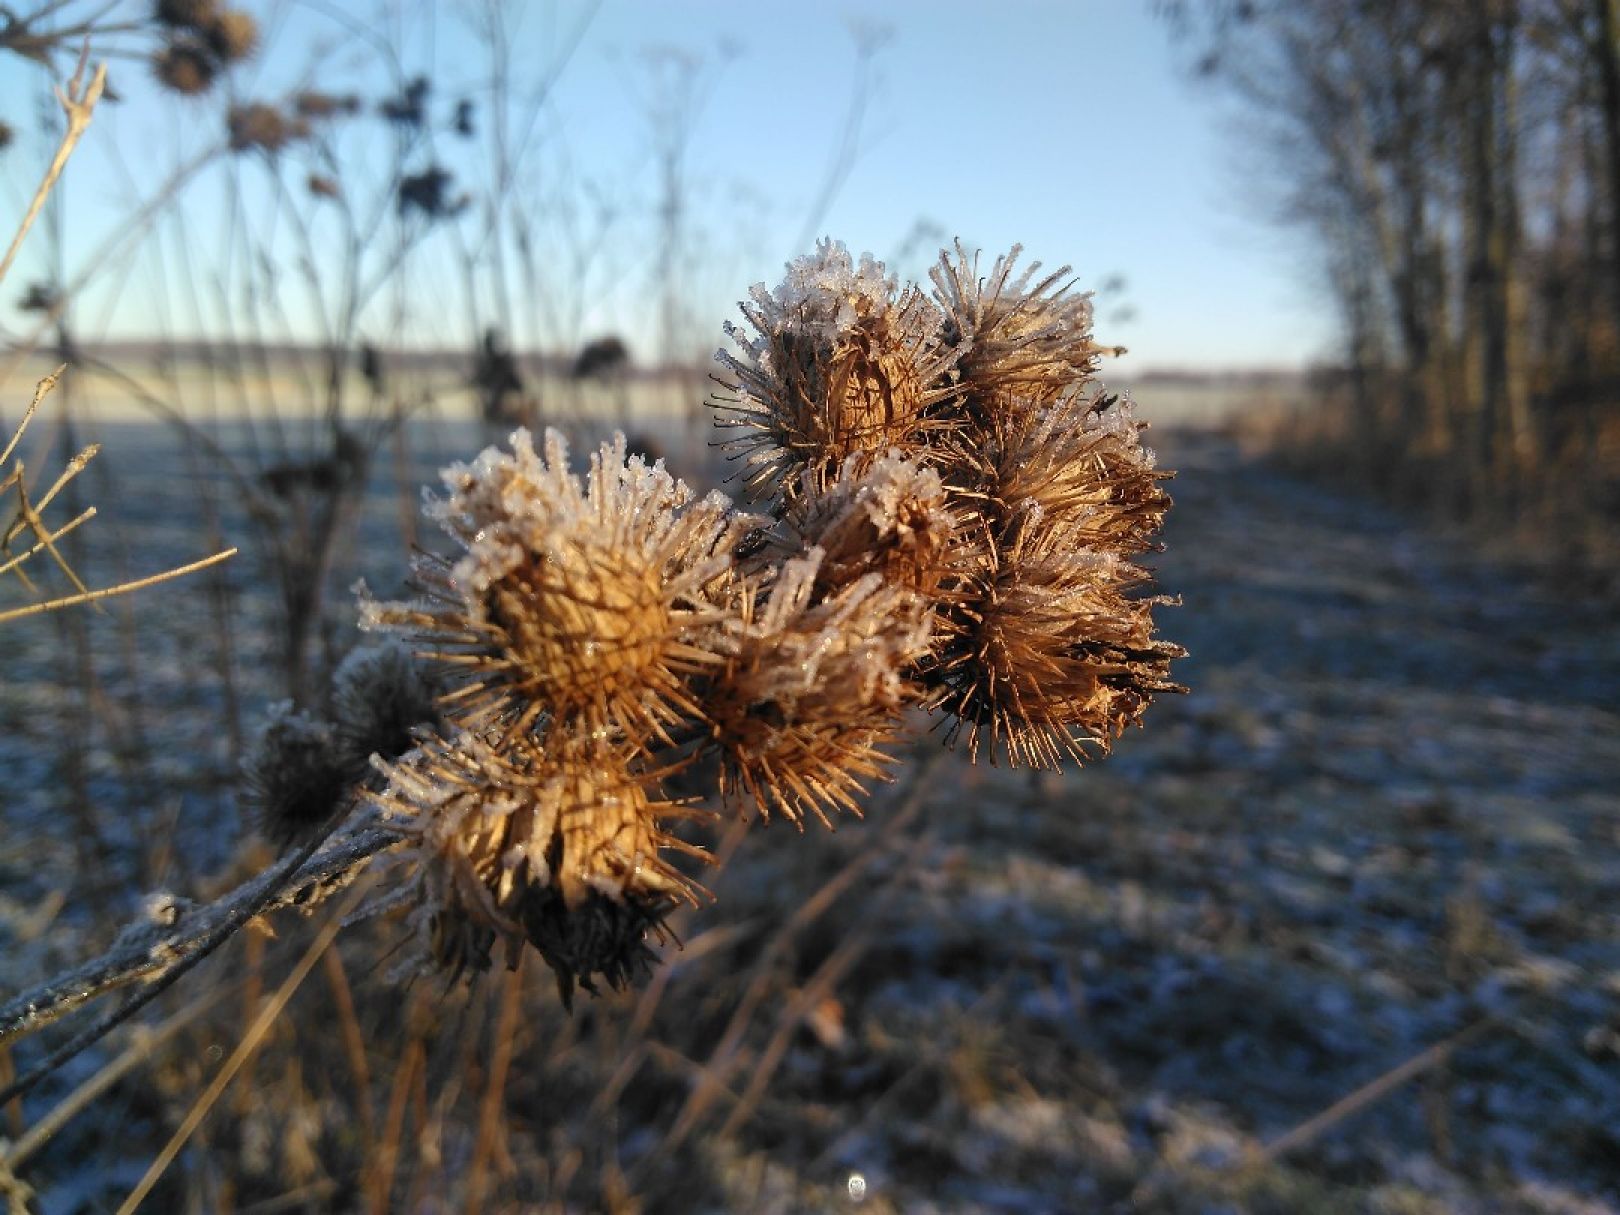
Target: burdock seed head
383, 699
813, 688
557, 846
294, 776
1057, 657
255, 126
885, 514
1020, 340
186, 67
184, 14
233, 35
839, 361
583, 605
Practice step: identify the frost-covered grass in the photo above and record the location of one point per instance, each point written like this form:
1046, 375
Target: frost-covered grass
1387, 808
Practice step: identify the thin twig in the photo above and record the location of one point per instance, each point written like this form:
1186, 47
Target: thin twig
51, 605
78, 106
103, 255
160, 955
134, 1055
41, 391
48, 539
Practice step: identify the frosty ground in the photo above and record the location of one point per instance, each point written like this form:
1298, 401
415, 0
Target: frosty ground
1387, 812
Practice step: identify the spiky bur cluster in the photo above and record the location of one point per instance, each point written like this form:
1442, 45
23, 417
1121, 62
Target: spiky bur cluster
303, 765
201, 39
1043, 644
947, 514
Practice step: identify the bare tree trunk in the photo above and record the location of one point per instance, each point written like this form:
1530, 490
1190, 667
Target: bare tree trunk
1482, 337
1607, 54
1514, 318
1494, 278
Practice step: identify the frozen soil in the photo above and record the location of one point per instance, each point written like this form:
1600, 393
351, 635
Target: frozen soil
1387, 814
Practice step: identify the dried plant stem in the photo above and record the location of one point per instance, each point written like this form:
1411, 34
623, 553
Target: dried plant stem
48, 540
137, 1053
385, 1161
302, 1198
800, 1006
931, 1054
41, 391
103, 255
244, 1051
489, 1112
51, 605
726, 1055
161, 954
1375, 1090
28, 515
78, 103
354, 1043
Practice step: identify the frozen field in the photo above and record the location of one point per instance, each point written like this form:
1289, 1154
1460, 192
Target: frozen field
1389, 811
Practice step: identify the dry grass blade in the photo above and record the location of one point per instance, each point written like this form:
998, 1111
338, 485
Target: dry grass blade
244, 1051
489, 1113
137, 1053
1374, 1091
726, 1056
354, 1043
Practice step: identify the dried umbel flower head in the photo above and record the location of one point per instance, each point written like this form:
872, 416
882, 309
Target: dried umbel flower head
428, 194
556, 847
839, 361
295, 777
582, 604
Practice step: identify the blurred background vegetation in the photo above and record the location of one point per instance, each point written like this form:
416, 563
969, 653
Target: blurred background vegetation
1367, 253
1457, 170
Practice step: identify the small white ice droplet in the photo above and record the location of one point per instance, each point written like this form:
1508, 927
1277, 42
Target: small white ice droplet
857, 1187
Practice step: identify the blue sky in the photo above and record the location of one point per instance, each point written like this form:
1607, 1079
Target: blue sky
1070, 128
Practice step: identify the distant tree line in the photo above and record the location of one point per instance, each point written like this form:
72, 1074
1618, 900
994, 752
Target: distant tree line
1457, 165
